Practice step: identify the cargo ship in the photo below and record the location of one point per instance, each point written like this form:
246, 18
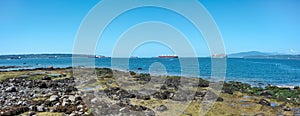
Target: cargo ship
168, 56
219, 56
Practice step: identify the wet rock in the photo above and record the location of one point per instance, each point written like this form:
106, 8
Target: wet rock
143, 97
264, 102
266, 93
43, 85
132, 73
162, 108
220, 99
138, 108
200, 93
163, 95
203, 83
11, 89
70, 89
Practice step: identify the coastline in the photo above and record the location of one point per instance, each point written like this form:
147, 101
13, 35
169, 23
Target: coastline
248, 81
252, 71
273, 98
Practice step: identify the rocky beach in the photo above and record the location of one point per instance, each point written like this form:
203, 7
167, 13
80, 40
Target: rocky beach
102, 91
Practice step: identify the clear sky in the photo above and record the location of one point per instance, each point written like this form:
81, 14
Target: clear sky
50, 26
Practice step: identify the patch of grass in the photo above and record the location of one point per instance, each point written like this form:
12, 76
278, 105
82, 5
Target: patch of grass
153, 103
173, 77
44, 114
8, 75
40, 99
90, 111
36, 77
49, 114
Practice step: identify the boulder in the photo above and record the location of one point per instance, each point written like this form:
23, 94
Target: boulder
286, 108
143, 97
264, 102
65, 103
54, 98
179, 97
11, 89
40, 108
46, 78
72, 98
162, 108
200, 93
43, 85
219, 99
138, 108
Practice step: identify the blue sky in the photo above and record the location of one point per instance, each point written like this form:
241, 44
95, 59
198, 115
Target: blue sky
50, 26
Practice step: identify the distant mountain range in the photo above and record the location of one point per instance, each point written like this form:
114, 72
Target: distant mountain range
42, 56
263, 55
35, 56
250, 53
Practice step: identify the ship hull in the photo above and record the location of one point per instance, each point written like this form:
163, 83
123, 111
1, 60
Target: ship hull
167, 56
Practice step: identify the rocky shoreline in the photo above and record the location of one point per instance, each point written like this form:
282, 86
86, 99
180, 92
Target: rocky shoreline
50, 91
19, 96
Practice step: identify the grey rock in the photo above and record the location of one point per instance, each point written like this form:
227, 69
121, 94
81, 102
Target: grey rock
65, 103
72, 114
11, 89
264, 102
41, 108
286, 108
54, 98
31, 113
162, 108
79, 106
72, 98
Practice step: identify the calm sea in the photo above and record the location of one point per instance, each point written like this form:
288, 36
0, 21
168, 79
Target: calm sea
253, 71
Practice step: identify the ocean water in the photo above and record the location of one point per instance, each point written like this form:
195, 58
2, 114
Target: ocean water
252, 71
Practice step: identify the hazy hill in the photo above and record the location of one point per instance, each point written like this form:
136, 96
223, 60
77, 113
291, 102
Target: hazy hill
250, 53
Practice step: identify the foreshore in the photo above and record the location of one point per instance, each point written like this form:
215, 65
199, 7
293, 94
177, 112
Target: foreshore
53, 91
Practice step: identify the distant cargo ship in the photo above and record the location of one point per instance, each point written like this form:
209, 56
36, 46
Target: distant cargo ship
16, 58
219, 56
168, 56
97, 56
